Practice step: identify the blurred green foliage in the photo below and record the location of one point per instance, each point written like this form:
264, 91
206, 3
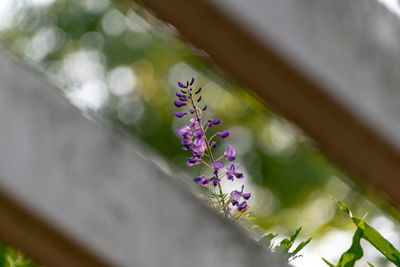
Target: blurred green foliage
285, 245
10, 257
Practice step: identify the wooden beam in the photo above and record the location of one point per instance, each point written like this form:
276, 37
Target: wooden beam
22, 229
284, 86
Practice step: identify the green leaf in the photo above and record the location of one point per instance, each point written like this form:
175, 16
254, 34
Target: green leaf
328, 263
370, 264
294, 236
344, 208
229, 201
354, 253
300, 247
238, 215
285, 245
378, 241
267, 239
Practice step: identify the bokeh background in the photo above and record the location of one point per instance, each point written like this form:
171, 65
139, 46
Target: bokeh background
116, 60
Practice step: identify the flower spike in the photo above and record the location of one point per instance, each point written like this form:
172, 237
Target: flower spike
194, 139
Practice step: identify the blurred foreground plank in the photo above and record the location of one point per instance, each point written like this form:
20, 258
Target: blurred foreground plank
76, 193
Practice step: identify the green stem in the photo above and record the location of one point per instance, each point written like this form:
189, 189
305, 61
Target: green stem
222, 200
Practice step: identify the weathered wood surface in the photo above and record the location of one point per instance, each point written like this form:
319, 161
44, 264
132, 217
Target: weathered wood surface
330, 66
98, 189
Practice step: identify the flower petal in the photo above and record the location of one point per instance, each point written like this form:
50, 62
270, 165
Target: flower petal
198, 179
223, 134
180, 114
247, 196
229, 153
183, 131
206, 181
192, 161
215, 181
217, 164
181, 85
179, 104
235, 197
242, 206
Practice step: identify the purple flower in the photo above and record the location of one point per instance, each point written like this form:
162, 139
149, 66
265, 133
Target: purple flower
193, 161
179, 104
198, 100
236, 195
215, 181
198, 91
223, 134
199, 179
247, 196
231, 171
187, 140
213, 144
183, 131
217, 165
191, 111
198, 133
183, 91
181, 85
180, 114
204, 108
192, 81
199, 146
183, 98
242, 206
229, 153
186, 147
206, 182
213, 122
194, 124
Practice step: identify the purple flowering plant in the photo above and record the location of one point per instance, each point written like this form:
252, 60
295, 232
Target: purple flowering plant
199, 138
